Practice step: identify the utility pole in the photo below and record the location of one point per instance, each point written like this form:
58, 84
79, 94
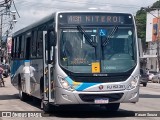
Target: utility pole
1, 26
158, 39
1, 50
6, 5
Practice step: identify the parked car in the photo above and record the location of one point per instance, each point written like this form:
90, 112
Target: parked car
144, 78
6, 69
151, 74
156, 78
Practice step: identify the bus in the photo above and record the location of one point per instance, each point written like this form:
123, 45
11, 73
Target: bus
78, 57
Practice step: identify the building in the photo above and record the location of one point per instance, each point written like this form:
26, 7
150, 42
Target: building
152, 35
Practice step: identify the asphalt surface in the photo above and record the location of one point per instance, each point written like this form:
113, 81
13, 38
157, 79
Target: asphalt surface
149, 103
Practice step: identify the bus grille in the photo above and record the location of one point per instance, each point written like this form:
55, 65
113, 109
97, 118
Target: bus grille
91, 97
99, 79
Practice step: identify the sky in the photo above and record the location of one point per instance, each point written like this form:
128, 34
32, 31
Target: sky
31, 11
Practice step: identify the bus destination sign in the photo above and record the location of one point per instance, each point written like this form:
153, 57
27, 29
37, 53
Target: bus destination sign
96, 19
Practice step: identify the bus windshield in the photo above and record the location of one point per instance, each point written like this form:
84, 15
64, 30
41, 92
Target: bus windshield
112, 46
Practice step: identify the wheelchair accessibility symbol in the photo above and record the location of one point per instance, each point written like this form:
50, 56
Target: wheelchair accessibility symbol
102, 32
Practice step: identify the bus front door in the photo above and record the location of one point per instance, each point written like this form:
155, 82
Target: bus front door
48, 71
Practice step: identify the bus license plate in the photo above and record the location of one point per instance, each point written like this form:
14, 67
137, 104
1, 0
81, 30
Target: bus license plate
101, 101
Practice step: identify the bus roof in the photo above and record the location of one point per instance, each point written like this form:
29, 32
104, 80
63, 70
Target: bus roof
91, 11
25, 29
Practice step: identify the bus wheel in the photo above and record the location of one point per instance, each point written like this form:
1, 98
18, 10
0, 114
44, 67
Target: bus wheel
46, 107
112, 106
144, 84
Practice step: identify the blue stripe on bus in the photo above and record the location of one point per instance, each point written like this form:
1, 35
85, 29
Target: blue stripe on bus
83, 86
15, 65
69, 80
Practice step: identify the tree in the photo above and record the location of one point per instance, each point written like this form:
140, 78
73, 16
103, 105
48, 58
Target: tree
141, 26
156, 4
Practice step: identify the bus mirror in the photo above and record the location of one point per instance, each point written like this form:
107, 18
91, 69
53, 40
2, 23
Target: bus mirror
52, 37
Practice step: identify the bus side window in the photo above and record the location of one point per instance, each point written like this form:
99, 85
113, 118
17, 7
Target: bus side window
52, 38
28, 40
12, 49
51, 41
40, 44
33, 44
17, 47
22, 47
52, 44
45, 37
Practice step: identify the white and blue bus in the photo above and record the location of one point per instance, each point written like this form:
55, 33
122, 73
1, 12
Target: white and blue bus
78, 57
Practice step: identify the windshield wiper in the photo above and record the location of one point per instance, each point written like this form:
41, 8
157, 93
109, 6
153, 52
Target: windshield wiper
110, 35
88, 38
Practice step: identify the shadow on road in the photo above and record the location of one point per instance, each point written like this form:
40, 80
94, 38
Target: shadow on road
93, 114
89, 111
9, 97
79, 111
149, 96
33, 102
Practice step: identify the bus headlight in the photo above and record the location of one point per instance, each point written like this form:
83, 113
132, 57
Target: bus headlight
133, 83
65, 83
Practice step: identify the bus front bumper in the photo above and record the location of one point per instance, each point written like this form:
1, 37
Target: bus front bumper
63, 96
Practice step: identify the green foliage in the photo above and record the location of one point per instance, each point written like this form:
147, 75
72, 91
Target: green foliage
141, 25
156, 5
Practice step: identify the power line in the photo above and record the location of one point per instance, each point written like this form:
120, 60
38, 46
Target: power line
4, 2
16, 9
5, 12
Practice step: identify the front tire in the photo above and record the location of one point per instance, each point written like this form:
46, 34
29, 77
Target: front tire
46, 107
112, 106
144, 84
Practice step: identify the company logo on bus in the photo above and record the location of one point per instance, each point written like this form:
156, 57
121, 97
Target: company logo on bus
101, 87
100, 74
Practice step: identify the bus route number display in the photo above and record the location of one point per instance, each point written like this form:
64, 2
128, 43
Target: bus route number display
95, 19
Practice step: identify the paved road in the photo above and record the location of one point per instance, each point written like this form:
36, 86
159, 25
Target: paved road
149, 101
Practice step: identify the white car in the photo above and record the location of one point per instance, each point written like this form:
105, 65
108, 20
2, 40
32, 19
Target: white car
156, 78
151, 75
